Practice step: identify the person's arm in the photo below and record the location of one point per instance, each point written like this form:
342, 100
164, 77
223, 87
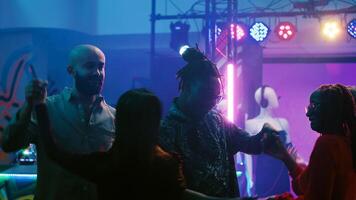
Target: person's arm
20, 131
317, 180
23, 129
240, 140
93, 166
290, 146
275, 148
167, 135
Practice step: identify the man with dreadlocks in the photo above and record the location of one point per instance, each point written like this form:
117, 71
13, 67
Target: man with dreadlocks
331, 173
203, 138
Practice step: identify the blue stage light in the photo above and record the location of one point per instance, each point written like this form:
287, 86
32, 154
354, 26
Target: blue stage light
351, 28
179, 35
183, 49
259, 31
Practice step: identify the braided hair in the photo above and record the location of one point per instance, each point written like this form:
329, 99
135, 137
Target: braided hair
199, 67
339, 113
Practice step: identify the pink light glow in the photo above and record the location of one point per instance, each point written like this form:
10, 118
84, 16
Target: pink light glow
221, 53
286, 30
230, 92
240, 33
237, 32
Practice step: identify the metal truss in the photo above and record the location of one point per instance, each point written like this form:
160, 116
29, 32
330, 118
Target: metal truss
229, 10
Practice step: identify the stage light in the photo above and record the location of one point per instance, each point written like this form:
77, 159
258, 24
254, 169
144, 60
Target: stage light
238, 31
219, 28
259, 31
27, 156
331, 29
182, 49
4, 175
230, 92
26, 152
285, 30
351, 28
179, 35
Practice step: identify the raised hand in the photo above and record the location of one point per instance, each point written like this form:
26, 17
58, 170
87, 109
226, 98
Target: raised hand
36, 92
295, 156
292, 152
273, 146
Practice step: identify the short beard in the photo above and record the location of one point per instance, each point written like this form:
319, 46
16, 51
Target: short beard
84, 85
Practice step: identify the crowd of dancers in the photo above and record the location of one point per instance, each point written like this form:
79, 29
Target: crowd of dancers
89, 150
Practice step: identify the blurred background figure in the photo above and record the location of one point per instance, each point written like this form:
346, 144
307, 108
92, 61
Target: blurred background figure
268, 175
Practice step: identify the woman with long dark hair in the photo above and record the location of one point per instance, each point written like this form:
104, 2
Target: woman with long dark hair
135, 167
331, 173
135, 164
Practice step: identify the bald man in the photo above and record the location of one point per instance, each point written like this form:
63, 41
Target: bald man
81, 121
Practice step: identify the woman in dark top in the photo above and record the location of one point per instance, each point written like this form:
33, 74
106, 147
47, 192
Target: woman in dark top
135, 167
